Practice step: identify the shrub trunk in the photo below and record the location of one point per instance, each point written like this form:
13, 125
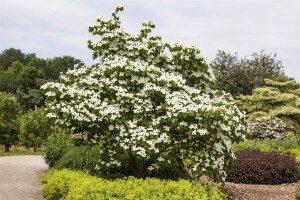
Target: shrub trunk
6, 148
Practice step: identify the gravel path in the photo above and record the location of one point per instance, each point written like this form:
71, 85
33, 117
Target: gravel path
19, 177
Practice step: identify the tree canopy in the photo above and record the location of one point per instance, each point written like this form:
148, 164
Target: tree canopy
34, 128
241, 76
11, 55
23, 74
148, 100
9, 120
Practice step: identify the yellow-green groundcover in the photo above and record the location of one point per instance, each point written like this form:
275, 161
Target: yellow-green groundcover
77, 185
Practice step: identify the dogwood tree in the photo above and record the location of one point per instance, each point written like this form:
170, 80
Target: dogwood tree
147, 99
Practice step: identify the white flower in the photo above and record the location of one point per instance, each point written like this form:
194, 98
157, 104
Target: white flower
160, 159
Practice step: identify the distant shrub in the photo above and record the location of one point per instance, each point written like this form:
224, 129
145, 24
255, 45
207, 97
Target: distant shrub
296, 153
57, 145
256, 167
288, 145
69, 185
265, 146
268, 145
34, 128
266, 129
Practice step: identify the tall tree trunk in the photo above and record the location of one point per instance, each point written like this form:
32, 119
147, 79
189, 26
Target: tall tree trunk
34, 149
6, 148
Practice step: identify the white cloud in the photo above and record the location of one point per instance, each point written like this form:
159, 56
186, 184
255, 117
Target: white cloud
56, 27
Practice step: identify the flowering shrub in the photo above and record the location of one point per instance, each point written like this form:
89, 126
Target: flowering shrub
147, 99
266, 129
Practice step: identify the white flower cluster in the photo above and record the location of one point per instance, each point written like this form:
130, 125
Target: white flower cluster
145, 98
267, 129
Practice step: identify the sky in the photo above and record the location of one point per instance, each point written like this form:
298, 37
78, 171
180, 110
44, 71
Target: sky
53, 28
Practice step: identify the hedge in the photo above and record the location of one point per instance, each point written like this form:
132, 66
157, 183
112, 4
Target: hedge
77, 185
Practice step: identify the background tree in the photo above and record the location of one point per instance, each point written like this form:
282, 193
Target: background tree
148, 101
58, 65
34, 128
11, 55
9, 122
24, 82
241, 76
280, 98
39, 63
23, 74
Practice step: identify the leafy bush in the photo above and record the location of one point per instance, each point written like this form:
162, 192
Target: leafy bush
256, 167
69, 185
57, 145
269, 145
265, 146
34, 128
296, 153
10, 111
297, 193
266, 129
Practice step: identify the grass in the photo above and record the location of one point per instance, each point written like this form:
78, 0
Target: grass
19, 153
19, 150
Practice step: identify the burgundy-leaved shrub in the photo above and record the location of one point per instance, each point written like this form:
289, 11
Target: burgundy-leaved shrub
256, 167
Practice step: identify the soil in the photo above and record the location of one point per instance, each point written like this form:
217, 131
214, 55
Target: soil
261, 192
19, 177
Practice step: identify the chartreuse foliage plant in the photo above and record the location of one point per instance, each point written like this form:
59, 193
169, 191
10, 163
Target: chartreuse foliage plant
148, 100
297, 194
280, 98
69, 185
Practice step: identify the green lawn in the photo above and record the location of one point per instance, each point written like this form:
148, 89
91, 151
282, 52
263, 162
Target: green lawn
19, 150
17, 153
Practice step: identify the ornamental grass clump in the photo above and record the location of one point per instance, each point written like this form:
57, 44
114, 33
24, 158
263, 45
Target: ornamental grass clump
147, 100
256, 167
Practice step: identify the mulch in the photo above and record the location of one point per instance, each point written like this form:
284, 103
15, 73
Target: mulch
261, 192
